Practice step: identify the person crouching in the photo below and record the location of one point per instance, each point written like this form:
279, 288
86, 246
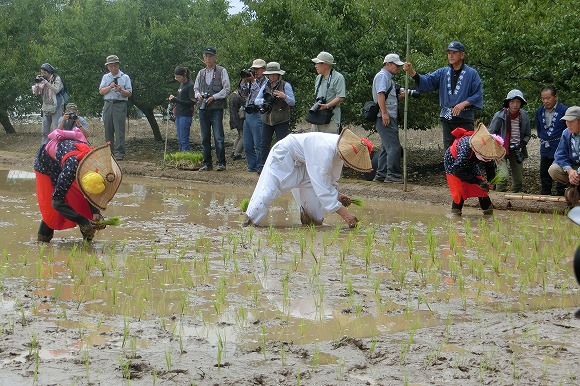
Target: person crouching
462, 166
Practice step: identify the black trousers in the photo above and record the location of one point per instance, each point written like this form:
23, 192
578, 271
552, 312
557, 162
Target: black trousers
545, 179
484, 203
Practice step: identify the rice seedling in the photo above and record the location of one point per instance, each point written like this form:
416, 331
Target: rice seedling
168, 360
263, 339
184, 160
220, 349
357, 202
315, 356
244, 204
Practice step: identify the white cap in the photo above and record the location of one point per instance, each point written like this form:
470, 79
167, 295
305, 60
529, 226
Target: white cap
393, 58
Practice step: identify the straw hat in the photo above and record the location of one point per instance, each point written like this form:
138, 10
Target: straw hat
485, 145
355, 151
99, 161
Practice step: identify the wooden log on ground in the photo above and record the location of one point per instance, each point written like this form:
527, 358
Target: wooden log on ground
534, 197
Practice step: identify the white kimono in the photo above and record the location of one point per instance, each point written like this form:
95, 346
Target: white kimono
310, 166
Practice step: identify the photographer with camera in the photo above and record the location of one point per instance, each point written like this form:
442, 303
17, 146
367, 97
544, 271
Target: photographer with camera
275, 99
513, 125
48, 84
71, 119
253, 120
116, 89
329, 92
212, 86
183, 104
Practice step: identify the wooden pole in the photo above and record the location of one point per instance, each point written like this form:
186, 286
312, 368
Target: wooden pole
407, 58
532, 197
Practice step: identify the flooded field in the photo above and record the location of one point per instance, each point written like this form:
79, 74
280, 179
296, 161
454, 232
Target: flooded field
180, 293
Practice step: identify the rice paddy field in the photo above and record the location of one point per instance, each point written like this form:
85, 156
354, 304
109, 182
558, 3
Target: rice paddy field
179, 293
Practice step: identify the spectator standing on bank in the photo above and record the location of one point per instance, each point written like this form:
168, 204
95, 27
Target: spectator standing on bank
253, 121
512, 124
116, 89
460, 91
183, 103
212, 86
567, 156
385, 94
329, 90
48, 84
550, 127
275, 99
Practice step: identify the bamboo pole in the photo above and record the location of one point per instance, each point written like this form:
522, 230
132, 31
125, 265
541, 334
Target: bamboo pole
533, 197
407, 53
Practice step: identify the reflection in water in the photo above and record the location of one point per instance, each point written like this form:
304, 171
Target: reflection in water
181, 257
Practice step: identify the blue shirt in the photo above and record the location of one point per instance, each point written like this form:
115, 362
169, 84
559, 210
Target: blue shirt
122, 79
568, 151
381, 83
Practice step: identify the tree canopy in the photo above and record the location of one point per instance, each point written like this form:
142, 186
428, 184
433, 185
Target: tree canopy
513, 44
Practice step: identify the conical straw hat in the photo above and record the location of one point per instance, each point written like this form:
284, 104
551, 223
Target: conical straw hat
483, 144
100, 161
355, 151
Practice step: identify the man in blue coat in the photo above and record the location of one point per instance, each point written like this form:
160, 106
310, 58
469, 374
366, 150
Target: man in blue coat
550, 126
460, 91
567, 156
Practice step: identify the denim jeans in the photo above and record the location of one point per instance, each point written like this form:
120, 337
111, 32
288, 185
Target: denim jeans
183, 127
212, 120
390, 155
253, 141
281, 130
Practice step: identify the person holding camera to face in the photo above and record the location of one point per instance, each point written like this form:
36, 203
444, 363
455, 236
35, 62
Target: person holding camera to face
275, 99
212, 86
116, 89
513, 125
49, 85
183, 104
255, 79
330, 91
71, 119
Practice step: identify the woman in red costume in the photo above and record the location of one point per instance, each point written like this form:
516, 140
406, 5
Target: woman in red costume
462, 166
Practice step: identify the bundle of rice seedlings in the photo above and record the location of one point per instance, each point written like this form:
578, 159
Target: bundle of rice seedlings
184, 159
244, 204
114, 220
357, 201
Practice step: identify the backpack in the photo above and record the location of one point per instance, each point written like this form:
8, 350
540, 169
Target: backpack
63, 93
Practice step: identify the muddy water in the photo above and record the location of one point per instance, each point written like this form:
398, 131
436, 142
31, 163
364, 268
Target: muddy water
181, 251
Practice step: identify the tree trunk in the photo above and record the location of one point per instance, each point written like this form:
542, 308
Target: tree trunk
149, 114
5, 121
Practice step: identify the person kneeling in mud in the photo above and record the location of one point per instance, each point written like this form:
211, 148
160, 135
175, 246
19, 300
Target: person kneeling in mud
310, 164
462, 166
73, 182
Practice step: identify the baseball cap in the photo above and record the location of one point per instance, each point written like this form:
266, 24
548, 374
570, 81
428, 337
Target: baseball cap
456, 46
572, 113
209, 51
324, 57
393, 58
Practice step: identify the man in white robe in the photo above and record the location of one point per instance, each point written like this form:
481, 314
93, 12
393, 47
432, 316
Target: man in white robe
310, 164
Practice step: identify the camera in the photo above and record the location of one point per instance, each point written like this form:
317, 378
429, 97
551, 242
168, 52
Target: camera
72, 116
269, 100
39, 78
516, 150
411, 93
251, 108
247, 73
316, 106
204, 98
